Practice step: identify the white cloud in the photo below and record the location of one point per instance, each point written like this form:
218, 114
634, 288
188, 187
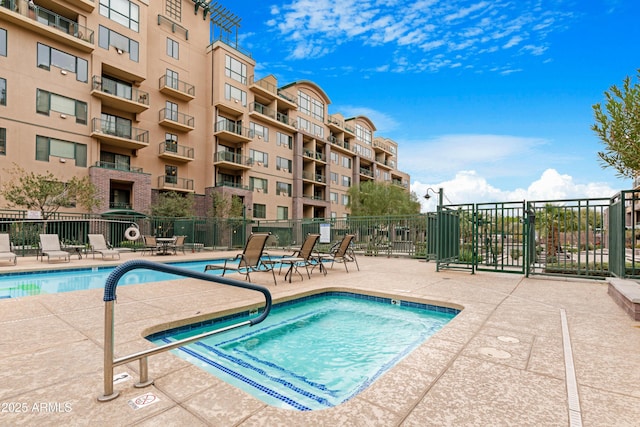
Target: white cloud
469, 187
315, 28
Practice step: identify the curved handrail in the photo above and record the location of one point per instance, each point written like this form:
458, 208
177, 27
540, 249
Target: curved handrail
109, 298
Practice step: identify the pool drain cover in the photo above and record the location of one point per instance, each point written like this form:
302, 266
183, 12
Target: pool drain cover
512, 340
494, 352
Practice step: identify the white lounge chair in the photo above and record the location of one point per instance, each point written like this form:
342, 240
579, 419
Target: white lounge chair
99, 244
5, 249
50, 246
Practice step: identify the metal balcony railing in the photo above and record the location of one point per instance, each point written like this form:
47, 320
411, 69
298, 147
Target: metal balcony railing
172, 181
174, 116
226, 156
110, 86
179, 85
179, 150
127, 132
118, 166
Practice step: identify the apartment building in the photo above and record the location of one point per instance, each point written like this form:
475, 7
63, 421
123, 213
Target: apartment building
134, 95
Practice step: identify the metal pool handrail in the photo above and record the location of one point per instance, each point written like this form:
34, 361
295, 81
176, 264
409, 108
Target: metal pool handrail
110, 297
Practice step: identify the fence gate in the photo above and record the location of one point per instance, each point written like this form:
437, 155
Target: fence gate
501, 231
452, 235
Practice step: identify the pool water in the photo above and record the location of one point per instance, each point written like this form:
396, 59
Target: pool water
316, 352
51, 282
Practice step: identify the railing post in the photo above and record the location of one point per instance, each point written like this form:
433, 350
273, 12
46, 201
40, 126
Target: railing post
108, 354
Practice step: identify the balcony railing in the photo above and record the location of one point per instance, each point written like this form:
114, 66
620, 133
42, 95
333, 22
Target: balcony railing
118, 166
287, 96
170, 181
367, 172
229, 126
177, 85
110, 86
169, 147
232, 185
107, 127
310, 176
49, 18
226, 156
271, 88
263, 109
119, 205
174, 116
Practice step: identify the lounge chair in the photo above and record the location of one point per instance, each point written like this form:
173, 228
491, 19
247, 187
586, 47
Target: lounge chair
342, 252
5, 249
178, 244
150, 244
99, 244
302, 258
250, 260
50, 246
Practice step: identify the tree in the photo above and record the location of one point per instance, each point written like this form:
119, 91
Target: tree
46, 193
223, 206
372, 198
171, 204
618, 127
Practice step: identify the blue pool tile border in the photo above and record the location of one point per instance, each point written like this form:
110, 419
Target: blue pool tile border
340, 294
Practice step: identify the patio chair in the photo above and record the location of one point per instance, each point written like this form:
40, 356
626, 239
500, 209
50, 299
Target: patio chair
250, 260
5, 249
342, 252
99, 244
50, 246
178, 244
150, 244
303, 257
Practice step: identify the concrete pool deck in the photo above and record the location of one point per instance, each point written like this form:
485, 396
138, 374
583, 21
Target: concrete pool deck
501, 361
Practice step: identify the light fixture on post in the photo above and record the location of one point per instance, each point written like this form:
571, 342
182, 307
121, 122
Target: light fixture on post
440, 194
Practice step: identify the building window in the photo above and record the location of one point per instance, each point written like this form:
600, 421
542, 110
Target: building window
345, 199
259, 158
363, 134
318, 130
170, 174
171, 142
346, 162
173, 9
258, 184
171, 111
346, 181
117, 87
236, 70
284, 140
283, 188
304, 124
173, 48
115, 161
334, 157
333, 197
3, 42
46, 147
334, 178
259, 211
48, 56
172, 79
117, 126
283, 164
47, 101
283, 212
232, 93
262, 132
317, 110
3, 92
121, 11
304, 103
3, 142
107, 37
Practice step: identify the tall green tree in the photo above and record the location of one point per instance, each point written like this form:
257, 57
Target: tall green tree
618, 127
172, 204
46, 193
372, 198
225, 206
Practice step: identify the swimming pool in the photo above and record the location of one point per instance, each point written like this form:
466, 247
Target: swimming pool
14, 285
315, 352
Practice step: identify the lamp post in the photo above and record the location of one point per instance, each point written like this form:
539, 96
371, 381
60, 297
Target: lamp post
438, 227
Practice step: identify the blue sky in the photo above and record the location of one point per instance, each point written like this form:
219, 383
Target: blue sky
491, 100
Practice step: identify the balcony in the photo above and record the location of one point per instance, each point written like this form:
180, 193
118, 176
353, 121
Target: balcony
263, 88
123, 98
287, 99
177, 88
270, 115
232, 108
232, 161
366, 172
47, 23
118, 166
314, 177
381, 147
232, 132
172, 151
175, 120
170, 182
232, 184
315, 155
119, 136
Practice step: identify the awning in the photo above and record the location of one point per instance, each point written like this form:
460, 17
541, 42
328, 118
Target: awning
129, 213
